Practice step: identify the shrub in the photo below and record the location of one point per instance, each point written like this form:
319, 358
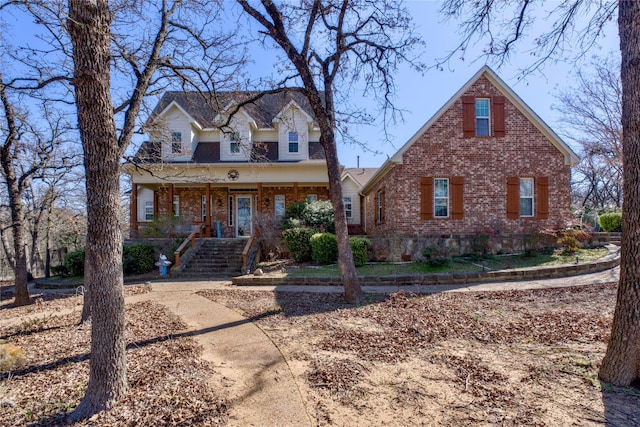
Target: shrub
74, 263
359, 248
138, 259
11, 357
319, 216
298, 243
571, 239
611, 222
437, 256
59, 270
324, 248
539, 242
294, 210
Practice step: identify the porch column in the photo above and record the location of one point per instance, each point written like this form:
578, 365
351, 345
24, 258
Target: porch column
259, 207
295, 191
133, 211
207, 211
170, 202
156, 203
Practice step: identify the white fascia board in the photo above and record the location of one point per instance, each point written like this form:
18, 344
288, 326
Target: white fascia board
192, 121
292, 104
386, 167
570, 156
250, 120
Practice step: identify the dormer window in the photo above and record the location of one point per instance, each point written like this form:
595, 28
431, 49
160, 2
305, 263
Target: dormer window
234, 146
176, 142
293, 142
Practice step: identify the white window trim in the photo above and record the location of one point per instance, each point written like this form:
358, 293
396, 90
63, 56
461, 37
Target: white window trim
176, 206
487, 117
448, 197
379, 206
291, 141
176, 141
148, 204
532, 197
279, 199
348, 212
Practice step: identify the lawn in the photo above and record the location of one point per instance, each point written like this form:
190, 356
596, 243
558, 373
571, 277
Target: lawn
458, 264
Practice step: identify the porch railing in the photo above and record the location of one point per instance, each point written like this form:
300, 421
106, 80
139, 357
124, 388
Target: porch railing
191, 238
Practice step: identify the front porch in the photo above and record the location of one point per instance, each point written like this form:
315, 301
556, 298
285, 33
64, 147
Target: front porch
224, 211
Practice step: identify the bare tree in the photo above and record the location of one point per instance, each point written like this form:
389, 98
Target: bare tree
26, 154
592, 111
621, 364
331, 46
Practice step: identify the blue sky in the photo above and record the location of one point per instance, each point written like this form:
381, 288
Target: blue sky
420, 96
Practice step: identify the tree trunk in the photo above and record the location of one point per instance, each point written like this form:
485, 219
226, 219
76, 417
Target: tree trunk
621, 363
89, 28
352, 290
20, 254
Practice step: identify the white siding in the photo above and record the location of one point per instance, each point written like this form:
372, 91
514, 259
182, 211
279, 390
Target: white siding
144, 195
293, 120
350, 189
240, 125
176, 121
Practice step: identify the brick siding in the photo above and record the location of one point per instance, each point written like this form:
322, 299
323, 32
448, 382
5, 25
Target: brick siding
484, 163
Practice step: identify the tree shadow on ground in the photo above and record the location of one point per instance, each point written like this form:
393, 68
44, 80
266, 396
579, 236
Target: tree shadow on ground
621, 405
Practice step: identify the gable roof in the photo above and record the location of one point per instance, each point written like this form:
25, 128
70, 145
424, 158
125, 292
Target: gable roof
204, 107
359, 175
570, 156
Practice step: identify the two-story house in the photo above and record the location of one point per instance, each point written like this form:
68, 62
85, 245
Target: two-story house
216, 162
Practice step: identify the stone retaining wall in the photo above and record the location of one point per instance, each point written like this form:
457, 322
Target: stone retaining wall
532, 273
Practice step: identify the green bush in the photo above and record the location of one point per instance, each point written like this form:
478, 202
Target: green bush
59, 270
138, 259
359, 248
611, 222
298, 243
437, 256
74, 262
319, 216
324, 248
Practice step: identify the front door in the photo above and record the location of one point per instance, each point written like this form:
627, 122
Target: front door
243, 216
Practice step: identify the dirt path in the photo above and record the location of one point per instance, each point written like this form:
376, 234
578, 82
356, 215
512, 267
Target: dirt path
252, 371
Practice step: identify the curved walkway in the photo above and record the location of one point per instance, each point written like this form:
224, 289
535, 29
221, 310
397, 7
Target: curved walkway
250, 368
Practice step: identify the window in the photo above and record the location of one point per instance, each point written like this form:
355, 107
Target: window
293, 142
482, 117
235, 143
380, 206
312, 197
176, 142
204, 208
148, 210
279, 207
347, 207
441, 197
230, 210
526, 196
176, 205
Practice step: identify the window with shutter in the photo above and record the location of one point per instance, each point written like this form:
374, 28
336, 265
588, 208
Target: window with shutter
457, 197
513, 197
542, 197
498, 116
426, 198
